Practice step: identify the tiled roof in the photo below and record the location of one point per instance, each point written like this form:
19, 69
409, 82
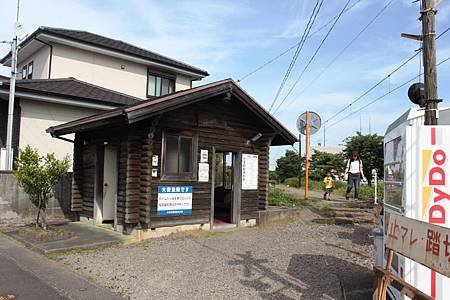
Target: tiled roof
146, 109
112, 44
73, 88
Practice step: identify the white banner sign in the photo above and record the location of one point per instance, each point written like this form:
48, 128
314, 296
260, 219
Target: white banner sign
203, 172
434, 174
249, 171
203, 156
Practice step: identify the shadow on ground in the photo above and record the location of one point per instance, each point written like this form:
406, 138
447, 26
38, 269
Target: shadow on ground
358, 235
307, 277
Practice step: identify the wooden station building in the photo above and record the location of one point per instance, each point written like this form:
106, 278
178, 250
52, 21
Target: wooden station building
195, 157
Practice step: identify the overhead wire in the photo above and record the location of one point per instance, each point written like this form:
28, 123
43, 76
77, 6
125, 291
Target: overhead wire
341, 52
381, 81
386, 94
294, 46
314, 55
308, 27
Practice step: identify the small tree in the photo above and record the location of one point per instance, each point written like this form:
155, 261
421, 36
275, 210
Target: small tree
370, 148
37, 175
288, 165
322, 162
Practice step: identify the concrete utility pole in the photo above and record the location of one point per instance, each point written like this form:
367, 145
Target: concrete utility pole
12, 90
428, 14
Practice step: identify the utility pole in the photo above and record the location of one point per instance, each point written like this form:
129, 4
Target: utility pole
12, 90
428, 14
299, 159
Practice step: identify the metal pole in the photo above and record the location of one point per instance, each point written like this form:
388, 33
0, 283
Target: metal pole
306, 154
429, 61
12, 90
299, 159
324, 132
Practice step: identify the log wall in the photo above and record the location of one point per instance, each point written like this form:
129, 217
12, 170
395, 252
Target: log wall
215, 123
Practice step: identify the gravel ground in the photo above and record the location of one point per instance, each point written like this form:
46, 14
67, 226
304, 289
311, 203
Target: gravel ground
287, 261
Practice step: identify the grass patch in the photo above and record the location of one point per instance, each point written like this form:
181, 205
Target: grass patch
58, 255
195, 234
6, 229
280, 197
340, 188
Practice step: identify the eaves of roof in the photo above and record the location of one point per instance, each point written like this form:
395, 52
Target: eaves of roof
118, 46
146, 109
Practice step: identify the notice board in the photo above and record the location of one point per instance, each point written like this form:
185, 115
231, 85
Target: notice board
249, 171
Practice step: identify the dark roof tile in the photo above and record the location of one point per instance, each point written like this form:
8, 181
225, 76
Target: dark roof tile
111, 44
73, 88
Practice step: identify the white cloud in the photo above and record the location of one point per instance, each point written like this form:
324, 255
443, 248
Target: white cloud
197, 32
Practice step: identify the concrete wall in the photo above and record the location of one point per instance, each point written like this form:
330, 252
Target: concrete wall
37, 116
105, 71
182, 83
16, 208
41, 60
100, 70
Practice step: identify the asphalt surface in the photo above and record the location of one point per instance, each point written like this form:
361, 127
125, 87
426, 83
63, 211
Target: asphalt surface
23, 284
30, 276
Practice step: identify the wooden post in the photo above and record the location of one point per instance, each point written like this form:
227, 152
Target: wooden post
383, 281
429, 60
306, 154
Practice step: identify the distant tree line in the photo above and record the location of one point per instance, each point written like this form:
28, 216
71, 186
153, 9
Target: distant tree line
369, 147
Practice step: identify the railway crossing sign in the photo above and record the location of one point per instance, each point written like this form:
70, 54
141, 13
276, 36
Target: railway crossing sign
314, 122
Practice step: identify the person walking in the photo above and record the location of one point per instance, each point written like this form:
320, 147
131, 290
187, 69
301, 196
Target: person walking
353, 174
329, 184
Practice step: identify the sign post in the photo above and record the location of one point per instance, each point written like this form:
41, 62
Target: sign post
308, 123
307, 155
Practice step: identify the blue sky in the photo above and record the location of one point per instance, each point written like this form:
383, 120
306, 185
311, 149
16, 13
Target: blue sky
231, 38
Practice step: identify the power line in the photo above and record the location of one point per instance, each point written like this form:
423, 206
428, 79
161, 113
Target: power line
310, 23
381, 81
296, 45
314, 55
386, 94
342, 51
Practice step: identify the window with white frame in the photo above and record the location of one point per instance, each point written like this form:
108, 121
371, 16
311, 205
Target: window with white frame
27, 71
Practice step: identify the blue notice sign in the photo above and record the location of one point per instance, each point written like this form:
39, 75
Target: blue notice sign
174, 200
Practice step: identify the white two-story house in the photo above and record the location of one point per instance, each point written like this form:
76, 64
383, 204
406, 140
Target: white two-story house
66, 75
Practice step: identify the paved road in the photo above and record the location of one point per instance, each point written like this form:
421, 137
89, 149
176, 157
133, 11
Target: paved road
23, 284
28, 275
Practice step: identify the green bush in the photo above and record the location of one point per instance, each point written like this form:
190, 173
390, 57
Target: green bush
292, 181
278, 197
37, 175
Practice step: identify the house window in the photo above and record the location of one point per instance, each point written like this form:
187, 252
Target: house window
158, 85
178, 153
24, 72
30, 71
27, 71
